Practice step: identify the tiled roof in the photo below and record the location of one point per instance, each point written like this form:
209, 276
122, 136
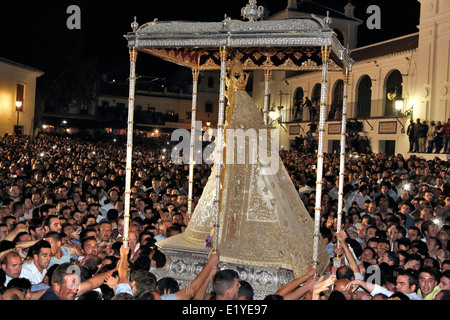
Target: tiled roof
401, 44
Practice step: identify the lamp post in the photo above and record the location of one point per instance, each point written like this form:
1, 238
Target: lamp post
18, 109
398, 105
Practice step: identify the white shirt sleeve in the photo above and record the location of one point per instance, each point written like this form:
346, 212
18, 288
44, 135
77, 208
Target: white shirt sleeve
379, 289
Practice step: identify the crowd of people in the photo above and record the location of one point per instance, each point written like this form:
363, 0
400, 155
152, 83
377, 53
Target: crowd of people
429, 138
395, 222
62, 224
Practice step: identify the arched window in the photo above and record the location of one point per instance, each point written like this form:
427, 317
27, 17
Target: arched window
338, 93
336, 100
315, 94
364, 97
298, 96
392, 91
297, 111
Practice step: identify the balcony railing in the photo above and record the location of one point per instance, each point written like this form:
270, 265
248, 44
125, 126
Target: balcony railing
356, 110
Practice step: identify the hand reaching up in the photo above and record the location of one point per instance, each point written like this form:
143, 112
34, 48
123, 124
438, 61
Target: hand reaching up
323, 285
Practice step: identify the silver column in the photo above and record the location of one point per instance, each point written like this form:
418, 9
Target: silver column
267, 75
133, 56
318, 207
219, 143
195, 73
342, 154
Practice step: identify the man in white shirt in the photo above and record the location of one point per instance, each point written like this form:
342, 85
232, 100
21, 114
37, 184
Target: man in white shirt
361, 197
304, 187
407, 283
37, 268
113, 196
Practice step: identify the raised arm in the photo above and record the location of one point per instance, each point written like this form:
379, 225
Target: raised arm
122, 265
98, 279
355, 284
201, 293
26, 244
12, 235
300, 291
293, 285
342, 237
197, 283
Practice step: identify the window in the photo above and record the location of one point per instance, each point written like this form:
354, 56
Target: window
297, 110
393, 91
338, 93
20, 94
315, 95
337, 101
364, 98
84, 108
208, 107
298, 97
210, 82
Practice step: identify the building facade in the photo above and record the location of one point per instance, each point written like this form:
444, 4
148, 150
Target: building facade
17, 97
412, 71
158, 108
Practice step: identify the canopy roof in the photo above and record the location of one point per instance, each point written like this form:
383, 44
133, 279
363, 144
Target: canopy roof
289, 44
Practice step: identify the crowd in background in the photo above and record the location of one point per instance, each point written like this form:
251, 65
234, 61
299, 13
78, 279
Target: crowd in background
62, 205
429, 138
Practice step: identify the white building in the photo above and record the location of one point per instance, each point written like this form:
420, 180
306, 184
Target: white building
17, 96
415, 66
160, 109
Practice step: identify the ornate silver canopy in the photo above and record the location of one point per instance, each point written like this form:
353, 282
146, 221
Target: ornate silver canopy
192, 44
304, 44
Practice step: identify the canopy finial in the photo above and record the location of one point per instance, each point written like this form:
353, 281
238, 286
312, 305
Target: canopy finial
251, 11
134, 25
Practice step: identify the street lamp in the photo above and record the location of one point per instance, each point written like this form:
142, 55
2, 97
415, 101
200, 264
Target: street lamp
18, 109
398, 105
272, 113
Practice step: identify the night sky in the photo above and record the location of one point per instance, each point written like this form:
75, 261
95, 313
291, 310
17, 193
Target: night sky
35, 32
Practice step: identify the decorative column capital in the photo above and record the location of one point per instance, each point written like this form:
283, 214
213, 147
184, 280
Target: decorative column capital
326, 50
223, 53
195, 73
346, 75
133, 54
267, 75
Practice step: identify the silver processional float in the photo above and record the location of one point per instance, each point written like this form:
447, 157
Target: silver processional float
254, 215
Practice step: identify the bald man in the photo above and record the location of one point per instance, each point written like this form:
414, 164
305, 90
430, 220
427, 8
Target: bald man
340, 285
13, 294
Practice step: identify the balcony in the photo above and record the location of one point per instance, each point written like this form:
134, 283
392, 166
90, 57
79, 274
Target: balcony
374, 109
